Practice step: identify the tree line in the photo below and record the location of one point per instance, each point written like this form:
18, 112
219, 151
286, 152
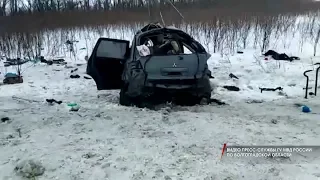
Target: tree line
32, 16
18, 7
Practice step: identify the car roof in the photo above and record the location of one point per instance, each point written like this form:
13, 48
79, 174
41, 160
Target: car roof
164, 29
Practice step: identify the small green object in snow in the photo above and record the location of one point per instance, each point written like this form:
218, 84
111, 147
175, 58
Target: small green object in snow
72, 104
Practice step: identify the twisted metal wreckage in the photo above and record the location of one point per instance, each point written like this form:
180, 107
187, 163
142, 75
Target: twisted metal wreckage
163, 63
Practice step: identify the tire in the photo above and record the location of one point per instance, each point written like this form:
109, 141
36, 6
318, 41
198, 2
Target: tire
124, 99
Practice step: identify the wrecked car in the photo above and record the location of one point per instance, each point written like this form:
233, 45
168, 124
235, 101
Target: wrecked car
162, 64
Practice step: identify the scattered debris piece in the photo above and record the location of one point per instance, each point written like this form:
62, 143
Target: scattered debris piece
74, 76
86, 77
29, 169
12, 78
231, 88
72, 71
306, 109
240, 52
51, 101
74, 106
276, 56
59, 61
14, 62
274, 121
6, 64
89, 155
42, 59
5, 119
53, 61
50, 63
271, 89
217, 101
233, 76
71, 42
10, 136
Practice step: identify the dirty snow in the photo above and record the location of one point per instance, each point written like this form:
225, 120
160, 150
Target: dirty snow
104, 140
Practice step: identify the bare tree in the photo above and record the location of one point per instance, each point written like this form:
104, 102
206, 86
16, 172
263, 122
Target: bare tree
266, 28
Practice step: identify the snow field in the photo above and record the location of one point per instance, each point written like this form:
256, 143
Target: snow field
104, 140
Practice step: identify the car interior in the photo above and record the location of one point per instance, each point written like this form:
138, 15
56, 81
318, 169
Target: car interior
166, 44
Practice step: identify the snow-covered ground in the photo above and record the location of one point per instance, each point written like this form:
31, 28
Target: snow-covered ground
104, 140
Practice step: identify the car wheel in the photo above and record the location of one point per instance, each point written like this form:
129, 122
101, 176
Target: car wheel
124, 100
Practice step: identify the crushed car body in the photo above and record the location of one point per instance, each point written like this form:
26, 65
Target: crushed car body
163, 63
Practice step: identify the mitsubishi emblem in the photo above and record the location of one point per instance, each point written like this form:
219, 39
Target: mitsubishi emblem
174, 65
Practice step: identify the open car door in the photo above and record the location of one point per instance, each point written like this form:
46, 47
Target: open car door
106, 63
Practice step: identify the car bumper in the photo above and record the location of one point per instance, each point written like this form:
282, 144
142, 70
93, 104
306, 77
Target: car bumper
200, 87
173, 84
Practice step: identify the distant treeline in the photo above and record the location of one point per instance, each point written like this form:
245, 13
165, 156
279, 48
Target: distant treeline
38, 15
14, 7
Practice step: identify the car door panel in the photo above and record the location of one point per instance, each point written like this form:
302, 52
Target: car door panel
105, 64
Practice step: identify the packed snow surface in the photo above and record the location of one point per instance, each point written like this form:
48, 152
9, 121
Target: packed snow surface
104, 140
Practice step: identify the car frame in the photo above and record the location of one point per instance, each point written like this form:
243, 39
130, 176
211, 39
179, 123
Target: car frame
114, 64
